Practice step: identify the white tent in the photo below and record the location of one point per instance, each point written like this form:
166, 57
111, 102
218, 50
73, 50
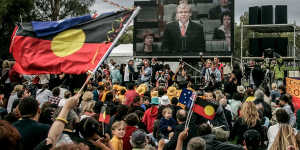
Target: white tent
122, 53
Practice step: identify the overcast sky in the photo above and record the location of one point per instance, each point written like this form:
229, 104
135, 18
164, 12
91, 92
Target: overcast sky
293, 8
240, 7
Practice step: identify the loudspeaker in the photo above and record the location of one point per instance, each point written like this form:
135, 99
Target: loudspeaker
281, 14
267, 14
254, 15
258, 45
255, 47
281, 46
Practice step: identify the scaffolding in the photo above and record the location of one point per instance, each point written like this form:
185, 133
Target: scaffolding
270, 28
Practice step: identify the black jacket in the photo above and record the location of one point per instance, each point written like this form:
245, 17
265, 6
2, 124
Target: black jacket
173, 142
193, 41
240, 127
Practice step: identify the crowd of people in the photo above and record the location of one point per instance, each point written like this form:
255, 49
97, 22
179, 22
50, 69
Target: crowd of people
137, 106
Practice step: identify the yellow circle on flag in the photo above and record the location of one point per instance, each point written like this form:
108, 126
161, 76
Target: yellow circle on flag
67, 42
209, 110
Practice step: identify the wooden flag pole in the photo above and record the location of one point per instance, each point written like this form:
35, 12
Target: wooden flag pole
91, 73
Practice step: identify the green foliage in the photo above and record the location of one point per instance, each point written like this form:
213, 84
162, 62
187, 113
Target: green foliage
127, 37
16, 11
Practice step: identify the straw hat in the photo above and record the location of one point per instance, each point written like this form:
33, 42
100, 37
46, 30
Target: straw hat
120, 88
100, 83
144, 86
178, 93
115, 87
154, 93
171, 92
141, 90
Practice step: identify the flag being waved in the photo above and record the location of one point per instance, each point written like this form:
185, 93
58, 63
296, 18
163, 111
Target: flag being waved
67, 46
185, 98
205, 109
104, 115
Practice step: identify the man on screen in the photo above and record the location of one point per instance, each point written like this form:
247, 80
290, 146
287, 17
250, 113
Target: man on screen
183, 35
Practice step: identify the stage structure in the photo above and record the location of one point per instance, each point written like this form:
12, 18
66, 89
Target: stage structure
273, 24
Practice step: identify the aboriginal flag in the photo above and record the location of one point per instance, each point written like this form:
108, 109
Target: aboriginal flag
104, 115
71, 46
205, 109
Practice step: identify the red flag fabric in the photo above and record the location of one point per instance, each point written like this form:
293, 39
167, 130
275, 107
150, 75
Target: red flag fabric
73, 51
104, 115
205, 109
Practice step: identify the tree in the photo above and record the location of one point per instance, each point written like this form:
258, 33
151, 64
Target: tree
60, 9
16, 11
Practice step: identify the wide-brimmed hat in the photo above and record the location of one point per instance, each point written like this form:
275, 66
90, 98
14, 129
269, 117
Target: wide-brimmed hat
140, 90
178, 93
164, 100
154, 93
171, 92
155, 100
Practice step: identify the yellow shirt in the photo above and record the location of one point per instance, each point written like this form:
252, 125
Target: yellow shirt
116, 143
250, 98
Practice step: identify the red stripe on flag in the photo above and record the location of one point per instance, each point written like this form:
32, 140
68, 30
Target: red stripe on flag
34, 56
105, 119
200, 111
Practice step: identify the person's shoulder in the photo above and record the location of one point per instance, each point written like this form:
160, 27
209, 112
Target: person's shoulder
195, 24
172, 24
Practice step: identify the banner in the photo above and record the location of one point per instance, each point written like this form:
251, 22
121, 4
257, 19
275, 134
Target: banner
293, 86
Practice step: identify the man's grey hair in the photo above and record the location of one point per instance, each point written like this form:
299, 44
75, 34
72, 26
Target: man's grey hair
196, 143
184, 6
259, 94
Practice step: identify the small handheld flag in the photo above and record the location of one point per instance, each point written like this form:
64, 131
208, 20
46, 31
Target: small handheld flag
185, 98
104, 115
205, 109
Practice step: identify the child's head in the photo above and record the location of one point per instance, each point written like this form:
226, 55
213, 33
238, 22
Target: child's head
146, 100
167, 113
118, 129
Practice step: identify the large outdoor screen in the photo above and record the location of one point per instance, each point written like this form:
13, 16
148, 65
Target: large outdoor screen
184, 28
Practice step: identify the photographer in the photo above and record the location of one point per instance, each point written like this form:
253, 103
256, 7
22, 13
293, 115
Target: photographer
230, 86
180, 75
146, 72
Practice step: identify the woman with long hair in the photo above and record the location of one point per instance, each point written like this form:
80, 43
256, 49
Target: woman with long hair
285, 139
248, 119
286, 103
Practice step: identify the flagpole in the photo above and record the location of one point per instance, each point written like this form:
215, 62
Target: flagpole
188, 119
91, 74
134, 14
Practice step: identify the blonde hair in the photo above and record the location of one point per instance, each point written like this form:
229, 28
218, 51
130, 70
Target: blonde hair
285, 137
165, 110
249, 113
87, 96
219, 95
5, 64
18, 88
87, 106
274, 86
118, 124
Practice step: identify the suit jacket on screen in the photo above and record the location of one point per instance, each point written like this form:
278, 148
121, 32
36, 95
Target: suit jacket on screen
193, 41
